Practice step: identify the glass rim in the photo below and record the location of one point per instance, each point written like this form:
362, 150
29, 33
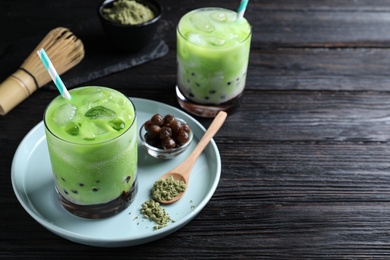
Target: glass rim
212, 8
92, 143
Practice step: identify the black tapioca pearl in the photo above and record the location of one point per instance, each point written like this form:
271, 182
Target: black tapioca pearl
212, 91
127, 179
228, 83
191, 95
81, 184
66, 192
237, 79
95, 189
97, 181
206, 98
197, 84
74, 191
63, 179
193, 74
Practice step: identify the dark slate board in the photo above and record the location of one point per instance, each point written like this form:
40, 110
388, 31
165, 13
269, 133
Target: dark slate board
101, 58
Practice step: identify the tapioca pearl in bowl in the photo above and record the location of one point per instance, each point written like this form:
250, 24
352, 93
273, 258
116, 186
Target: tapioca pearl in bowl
165, 137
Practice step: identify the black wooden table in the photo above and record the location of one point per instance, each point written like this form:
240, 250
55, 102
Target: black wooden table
305, 160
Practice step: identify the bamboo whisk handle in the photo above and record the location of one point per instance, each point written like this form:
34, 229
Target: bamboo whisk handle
67, 51
15, 89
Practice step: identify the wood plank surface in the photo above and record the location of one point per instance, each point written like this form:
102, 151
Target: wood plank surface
305, 159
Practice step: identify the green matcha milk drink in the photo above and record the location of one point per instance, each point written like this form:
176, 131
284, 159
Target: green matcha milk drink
92, 141
212, 56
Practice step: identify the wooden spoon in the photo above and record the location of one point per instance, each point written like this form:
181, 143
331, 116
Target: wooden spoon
183, 170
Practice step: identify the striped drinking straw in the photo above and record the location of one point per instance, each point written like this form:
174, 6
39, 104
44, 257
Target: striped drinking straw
241, 9
53, 74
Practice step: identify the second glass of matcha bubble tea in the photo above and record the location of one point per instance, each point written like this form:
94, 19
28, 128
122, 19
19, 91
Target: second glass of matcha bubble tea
212, 54
92, 142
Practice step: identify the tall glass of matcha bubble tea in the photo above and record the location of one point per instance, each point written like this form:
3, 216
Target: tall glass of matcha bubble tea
92, 142
213, 48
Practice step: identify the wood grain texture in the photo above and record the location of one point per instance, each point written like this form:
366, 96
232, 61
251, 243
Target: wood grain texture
305, 159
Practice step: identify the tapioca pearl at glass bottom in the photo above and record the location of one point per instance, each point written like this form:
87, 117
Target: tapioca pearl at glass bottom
95, 186
195, 91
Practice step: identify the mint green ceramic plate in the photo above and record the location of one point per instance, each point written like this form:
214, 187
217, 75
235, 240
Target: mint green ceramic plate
33, 185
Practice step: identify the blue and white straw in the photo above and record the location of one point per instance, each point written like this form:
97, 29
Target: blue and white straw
241, 9
53, 74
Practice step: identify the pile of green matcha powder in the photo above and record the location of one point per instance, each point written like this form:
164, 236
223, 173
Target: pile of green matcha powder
152, 210
162, 190
128, 12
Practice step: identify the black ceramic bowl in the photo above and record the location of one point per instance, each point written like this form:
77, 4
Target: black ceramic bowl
131, 37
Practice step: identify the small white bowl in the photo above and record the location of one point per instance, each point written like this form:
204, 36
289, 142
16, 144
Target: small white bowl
164, 153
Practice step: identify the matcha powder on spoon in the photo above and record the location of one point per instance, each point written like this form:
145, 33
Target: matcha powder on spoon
164, 190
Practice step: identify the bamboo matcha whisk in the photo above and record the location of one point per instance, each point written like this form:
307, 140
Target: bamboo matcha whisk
65, 51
